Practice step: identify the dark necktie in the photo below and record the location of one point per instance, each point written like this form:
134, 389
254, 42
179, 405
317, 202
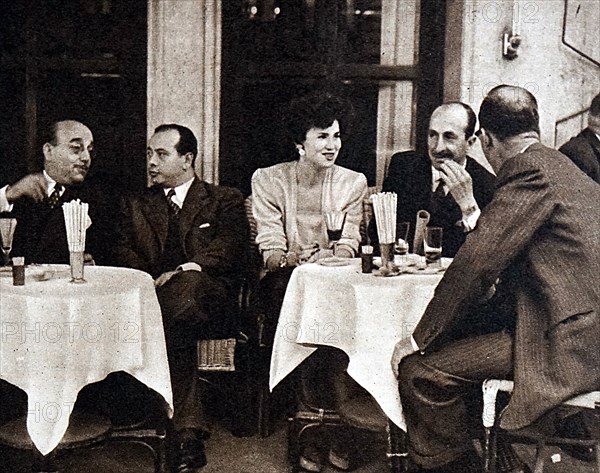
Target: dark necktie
54, 198
439, 192
173, 207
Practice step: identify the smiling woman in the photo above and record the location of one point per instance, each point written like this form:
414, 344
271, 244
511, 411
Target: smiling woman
294, 204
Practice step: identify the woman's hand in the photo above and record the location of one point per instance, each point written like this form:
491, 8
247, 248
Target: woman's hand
343, 252
279, 260
320, 254
307, 253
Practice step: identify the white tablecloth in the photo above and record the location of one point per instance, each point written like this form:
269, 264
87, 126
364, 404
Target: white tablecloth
361, 314
56, 337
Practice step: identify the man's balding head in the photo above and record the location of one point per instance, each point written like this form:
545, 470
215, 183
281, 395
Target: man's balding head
509, 111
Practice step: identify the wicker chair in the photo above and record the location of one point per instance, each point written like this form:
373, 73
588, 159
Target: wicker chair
490, 420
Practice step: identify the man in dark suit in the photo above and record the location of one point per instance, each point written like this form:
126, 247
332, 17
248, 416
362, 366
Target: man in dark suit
541, 240
191, 237
584, 149
451, 186
36, 199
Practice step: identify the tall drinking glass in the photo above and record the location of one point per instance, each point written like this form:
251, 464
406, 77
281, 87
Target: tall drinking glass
7, 231
334, 221
433, 246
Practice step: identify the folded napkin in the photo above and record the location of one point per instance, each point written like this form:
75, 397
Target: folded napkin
421, 223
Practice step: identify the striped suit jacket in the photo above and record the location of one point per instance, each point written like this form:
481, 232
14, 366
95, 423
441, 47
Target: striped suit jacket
541, 232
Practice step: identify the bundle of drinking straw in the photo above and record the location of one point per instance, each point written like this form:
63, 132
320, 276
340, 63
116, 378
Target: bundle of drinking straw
76, 223
384, 208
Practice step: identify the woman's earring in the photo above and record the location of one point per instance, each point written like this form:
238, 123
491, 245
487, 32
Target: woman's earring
301, 151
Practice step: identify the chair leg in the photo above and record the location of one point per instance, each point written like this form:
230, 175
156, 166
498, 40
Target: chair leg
264, 412
397, 449
539, 458
293, 452
487, 451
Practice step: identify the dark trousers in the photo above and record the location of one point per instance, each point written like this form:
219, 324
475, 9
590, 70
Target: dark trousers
194, 305
271, 292
440, 392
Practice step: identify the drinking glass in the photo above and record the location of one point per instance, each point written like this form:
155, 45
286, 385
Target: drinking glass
334, 221
402, 240
76, 260
433, 246
7, 231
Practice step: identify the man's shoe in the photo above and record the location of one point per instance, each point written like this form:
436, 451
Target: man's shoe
507, 460
311, 460
190, 452
573, 427
339, 459
467, 463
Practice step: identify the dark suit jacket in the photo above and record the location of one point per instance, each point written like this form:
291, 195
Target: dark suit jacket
213, 225
409, 176
543, 238
584, 150
41, 236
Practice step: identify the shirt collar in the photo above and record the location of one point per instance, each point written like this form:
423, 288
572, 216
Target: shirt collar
180, 192
51, 184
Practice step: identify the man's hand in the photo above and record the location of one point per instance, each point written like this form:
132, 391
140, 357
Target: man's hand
163, 278
402, 349
459, 183
33, 186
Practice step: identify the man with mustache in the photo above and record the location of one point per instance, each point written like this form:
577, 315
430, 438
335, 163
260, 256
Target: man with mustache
36, 199
450, 185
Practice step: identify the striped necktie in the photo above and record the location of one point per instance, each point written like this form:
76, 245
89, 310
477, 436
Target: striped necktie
54, 198
173, 207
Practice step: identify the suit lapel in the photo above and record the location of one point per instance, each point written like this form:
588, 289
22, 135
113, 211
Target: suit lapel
594, 142
194, 204
155, 209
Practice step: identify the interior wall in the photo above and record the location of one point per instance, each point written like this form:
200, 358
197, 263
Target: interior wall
563, 80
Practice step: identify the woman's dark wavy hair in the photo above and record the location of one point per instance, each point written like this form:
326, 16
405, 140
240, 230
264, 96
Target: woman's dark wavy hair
318, 109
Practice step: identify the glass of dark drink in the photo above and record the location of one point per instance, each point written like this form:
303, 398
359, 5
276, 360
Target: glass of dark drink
401, 247
334, 221
433, 246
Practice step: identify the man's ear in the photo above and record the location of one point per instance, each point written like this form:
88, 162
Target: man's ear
47, 150
189, 157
